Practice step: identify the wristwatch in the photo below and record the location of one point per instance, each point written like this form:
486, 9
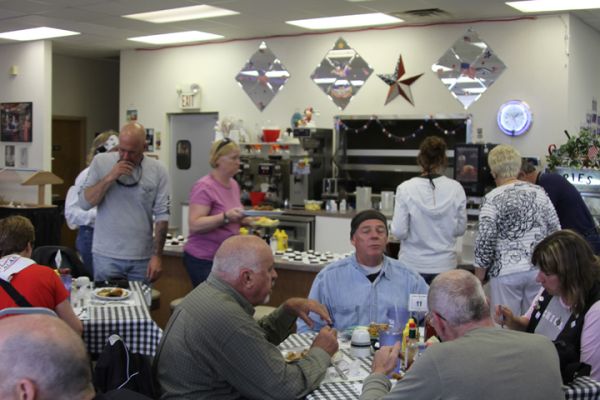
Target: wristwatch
225, 219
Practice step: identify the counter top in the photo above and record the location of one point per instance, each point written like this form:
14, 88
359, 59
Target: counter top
323, 213
280, 263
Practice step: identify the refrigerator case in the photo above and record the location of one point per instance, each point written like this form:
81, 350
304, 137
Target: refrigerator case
587, 181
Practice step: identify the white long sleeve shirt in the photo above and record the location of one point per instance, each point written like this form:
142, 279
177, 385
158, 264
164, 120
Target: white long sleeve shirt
427, 220
74, 214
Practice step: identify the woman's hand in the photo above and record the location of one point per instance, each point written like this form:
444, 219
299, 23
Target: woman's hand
505, 317
235, 214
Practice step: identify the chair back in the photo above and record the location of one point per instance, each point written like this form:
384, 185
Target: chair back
46, 255
118, 368
26, 310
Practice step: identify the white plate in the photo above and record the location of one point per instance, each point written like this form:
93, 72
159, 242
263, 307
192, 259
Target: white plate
126, 294
262, 213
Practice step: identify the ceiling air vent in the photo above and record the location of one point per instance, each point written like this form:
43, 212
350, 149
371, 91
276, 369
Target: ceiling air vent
423, 15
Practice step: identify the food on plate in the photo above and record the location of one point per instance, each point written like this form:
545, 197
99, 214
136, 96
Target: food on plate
266, 221
263, 207
292, 356
397, 376
375, 329
111, 292
312, 205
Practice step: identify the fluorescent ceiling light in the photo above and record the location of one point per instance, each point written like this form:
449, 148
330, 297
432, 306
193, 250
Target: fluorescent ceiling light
178, 37
346, 21
182, 14
553, 5
36, 34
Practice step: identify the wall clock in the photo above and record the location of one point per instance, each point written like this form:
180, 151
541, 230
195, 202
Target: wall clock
514, 117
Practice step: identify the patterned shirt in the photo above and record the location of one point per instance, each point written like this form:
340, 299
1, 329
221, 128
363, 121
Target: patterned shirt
513, 219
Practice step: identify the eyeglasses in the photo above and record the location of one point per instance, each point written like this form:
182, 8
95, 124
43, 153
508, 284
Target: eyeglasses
223, 143
133, 179
429, 316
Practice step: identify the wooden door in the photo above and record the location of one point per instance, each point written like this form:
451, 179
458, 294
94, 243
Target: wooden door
68, 159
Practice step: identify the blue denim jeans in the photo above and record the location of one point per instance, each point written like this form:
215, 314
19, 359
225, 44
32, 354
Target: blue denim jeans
196, 268
108, 268
83, 244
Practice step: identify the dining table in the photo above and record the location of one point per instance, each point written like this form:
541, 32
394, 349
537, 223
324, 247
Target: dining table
335, 387
128, 317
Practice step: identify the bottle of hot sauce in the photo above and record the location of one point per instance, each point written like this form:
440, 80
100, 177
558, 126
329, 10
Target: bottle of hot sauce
412, 346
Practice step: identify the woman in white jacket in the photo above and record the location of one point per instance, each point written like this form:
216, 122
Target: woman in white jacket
430, 213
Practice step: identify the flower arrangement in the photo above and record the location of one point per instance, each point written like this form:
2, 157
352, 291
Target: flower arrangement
578, 152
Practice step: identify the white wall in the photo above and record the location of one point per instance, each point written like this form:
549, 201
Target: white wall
584, 74
86, 88
32, 84
535, 52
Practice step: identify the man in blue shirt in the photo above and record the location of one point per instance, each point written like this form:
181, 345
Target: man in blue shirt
572, 211
366, 286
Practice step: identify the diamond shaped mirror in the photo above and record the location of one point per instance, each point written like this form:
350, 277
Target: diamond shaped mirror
468, 68
262, 77
341, 73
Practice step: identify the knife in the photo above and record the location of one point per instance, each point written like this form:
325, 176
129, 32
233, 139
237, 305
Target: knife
339, 371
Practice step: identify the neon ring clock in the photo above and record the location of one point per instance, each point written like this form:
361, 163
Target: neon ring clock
514, 117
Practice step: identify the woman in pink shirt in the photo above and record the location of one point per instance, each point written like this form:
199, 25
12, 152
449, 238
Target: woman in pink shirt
567, 309
215, 212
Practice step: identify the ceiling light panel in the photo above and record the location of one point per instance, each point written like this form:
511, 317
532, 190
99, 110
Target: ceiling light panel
346, 21
36, 34
553, 5
182, 14
177, 37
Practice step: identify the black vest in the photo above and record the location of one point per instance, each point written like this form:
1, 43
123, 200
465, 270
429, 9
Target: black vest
568, 341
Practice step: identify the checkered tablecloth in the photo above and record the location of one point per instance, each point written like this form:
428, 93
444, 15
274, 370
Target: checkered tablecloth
582, 388
132, 322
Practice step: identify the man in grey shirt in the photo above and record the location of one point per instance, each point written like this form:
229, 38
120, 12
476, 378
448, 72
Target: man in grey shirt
476, 360
213, 348
132, 193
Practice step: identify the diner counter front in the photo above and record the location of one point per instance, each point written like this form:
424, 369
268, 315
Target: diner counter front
294, 279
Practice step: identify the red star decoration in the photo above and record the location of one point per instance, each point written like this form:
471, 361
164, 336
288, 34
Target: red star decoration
399, 86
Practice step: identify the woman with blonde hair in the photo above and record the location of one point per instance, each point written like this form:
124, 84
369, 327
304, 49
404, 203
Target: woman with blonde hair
83, 220
215, 212
430, 213
513, 218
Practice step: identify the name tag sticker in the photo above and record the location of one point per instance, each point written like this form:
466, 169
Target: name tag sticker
417, 302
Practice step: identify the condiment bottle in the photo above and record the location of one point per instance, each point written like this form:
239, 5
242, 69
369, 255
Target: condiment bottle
412, 346
282, 240
274, 242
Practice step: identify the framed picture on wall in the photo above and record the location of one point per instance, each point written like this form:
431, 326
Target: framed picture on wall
16, 122
150, 139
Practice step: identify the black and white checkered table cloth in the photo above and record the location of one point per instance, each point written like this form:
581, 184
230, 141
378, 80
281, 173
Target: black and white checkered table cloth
583, 388
133, 323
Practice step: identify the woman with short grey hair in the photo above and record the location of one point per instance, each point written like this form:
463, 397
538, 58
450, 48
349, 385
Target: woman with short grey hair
514, 217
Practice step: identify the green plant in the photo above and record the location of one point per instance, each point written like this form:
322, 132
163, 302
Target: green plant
575, 153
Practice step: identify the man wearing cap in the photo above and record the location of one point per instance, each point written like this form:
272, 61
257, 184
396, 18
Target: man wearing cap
366, 286
131, 193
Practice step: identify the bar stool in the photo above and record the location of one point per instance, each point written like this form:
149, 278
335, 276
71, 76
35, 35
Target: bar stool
174, 303
261, 311
155, 305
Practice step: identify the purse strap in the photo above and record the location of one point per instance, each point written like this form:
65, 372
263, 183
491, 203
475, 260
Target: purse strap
16, 296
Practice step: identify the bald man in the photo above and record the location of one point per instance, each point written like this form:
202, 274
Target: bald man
213, 348
42, 358
132, 194
476, 360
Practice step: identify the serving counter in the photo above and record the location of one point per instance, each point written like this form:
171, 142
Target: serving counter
294, 279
